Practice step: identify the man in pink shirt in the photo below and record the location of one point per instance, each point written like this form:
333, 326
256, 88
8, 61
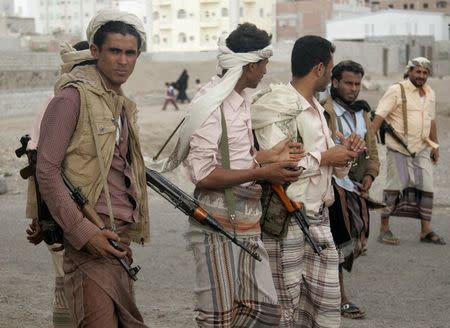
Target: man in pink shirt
232, 289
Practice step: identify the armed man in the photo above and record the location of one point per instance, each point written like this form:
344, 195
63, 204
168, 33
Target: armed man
349, 214
410, 107
89, 133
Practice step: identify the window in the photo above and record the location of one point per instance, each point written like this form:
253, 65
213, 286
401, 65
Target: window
191, 38
391, 6
156, 39
207, 38
207, 14
182, 38
261, 12
425, 6
164, 40
411, 6
181, 14
241, 12
224, 12
405, 6
155, 15
441, 4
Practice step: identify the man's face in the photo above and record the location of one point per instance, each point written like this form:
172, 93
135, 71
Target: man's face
349, 86
418, 76
324, 75
256, 72
116, 58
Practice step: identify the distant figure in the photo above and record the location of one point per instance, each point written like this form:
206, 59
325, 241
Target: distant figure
198, 85
170, 96
181, 85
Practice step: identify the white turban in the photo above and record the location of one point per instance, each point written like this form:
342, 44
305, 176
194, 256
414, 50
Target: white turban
419, 61
112, 15
202, 106
71, 57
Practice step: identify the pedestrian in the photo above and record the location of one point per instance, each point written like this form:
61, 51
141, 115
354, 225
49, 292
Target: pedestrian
89, 132
349, 214
307, 284
198, 85
181, 85
71, 57
232, 289
170, 96
410, 107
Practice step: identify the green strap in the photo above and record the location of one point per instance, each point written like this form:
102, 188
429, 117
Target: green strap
225, 152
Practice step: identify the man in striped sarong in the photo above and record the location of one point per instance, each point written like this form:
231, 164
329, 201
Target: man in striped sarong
410, 107
232, 289
307, 284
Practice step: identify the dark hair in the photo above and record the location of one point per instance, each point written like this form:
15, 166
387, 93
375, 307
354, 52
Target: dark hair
309, 51
82, 45
115, 27
346, 66
247, 37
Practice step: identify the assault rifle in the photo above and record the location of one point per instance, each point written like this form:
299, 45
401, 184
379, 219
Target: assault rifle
295, 209
386, 127
188, 206
92, 216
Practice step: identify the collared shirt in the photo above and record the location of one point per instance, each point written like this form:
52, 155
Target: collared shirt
420, 113
314, 186
204, 153
349, 125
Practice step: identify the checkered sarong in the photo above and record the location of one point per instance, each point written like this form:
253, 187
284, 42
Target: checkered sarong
307, 285
232, 289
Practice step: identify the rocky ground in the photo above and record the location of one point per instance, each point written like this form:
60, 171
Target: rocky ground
406, 286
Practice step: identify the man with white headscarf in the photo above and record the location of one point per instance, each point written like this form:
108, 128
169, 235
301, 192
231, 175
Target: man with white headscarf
410, 107
89, 132
232, 289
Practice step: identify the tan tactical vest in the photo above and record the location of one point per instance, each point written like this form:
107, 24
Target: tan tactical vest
99, 112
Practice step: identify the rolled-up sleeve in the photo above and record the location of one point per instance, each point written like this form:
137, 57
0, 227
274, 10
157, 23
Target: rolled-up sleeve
203, 148
57, 127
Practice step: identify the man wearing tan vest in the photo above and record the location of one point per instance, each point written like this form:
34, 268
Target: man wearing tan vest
89, 132
409, 106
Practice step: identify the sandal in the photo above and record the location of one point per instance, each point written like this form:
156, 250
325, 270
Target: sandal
351, 311
433, 238
387, 237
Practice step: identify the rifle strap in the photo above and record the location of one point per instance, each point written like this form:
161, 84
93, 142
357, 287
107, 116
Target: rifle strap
225, 152
404, 110
101, 164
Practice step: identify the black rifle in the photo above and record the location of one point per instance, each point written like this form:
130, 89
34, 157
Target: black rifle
295, 209
388, 128
51, 231
92, 216
188, 205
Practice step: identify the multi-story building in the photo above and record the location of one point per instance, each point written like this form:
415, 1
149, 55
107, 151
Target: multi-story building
302, 17
6, 7
425, 5
184, 25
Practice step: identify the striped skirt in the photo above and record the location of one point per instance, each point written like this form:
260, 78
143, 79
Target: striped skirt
307, 285
232, 289
409, 186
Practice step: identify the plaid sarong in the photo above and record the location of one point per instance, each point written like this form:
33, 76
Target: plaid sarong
232, 289
409, 186
307, 285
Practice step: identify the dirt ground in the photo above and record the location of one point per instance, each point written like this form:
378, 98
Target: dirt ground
406, 286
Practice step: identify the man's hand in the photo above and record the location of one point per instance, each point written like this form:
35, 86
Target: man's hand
99, 245
354, 142
34, 232
337, 156
287, 150
366, 183
434, 155
282, 172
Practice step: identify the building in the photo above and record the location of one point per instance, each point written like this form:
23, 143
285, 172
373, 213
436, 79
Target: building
184, 25
390, 23
11, 25
302, 17
425, 5
6, 7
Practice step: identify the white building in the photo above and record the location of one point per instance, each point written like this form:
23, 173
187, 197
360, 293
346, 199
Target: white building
392, 23
185, 25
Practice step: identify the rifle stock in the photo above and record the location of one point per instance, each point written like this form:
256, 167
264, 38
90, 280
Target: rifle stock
294, 209
92, 216
189, 206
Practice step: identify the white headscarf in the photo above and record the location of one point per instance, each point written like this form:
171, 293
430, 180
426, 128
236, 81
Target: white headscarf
202, 106
112, 15
419, 61
71, 57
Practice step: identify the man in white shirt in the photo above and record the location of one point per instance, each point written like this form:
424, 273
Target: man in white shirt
307, 284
